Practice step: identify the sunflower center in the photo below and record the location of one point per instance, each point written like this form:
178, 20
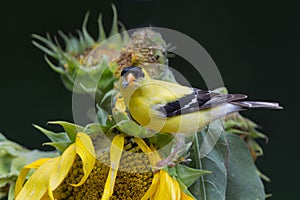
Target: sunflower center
133, 179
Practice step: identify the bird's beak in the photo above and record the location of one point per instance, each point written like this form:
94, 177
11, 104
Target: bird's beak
129, 78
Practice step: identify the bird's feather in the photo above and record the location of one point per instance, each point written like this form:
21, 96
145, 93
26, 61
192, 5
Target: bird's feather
195, 101
257, 104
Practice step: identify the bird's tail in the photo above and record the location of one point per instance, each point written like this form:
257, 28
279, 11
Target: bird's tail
256, 104
236, 106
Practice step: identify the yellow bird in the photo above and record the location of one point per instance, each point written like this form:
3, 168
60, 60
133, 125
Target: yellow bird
173, 108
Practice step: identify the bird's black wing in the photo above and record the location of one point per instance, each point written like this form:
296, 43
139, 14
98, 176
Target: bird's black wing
197, 100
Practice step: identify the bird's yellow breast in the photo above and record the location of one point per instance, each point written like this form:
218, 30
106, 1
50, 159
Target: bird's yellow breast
144, 97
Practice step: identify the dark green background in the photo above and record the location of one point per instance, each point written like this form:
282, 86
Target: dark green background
255, 44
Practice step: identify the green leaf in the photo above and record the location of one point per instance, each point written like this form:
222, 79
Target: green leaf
171, 171
210, 186
6, 160
132, 128
120, 116
102, 116
128, 126
243, 180
189, 175
71, 129
181, 176
97, 129
106, 81
60, 146
106, 99
2, 137
161, 140
54, 137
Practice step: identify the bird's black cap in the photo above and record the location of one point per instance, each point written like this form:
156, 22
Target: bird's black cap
136, 71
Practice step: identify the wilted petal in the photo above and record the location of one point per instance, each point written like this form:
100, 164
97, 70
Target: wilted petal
63, 167
115, 156
163, 185
153, 188
37, 184
24, 171
85, 150
168, 188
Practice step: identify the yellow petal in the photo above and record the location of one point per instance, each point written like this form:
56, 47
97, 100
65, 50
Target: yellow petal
37, 184
168, 188
151, 153
63, 167
115, 156
163, 185
184, 196
85, 149
24, 171
156, 155
85, 141
153, 188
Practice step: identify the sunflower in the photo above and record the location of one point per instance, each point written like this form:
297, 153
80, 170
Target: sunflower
126, 171
50, 172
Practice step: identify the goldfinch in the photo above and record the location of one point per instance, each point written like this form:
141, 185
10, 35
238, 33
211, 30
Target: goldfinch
173, 108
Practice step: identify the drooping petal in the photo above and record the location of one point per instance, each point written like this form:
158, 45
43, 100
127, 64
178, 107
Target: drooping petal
85, 149
168, 188
63, 167
85, 141
115, 156
151, 153
153, 188
24, 171
37, 184
163, 185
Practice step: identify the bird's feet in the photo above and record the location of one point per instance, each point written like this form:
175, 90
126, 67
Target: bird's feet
179, 149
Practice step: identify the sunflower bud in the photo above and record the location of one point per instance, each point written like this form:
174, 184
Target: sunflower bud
84, 58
